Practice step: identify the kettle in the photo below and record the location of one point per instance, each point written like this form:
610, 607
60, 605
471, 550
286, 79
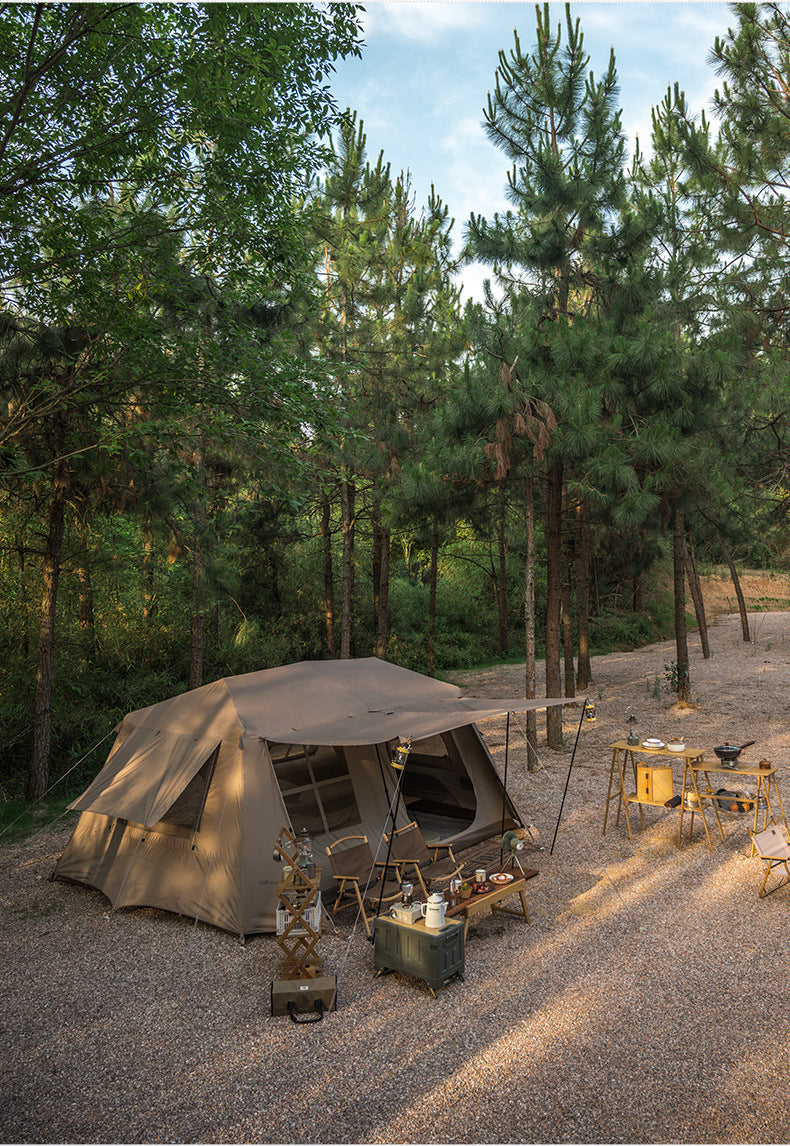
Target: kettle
433, 911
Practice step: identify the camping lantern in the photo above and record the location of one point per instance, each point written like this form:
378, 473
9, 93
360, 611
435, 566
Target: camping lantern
401, 755
589, 711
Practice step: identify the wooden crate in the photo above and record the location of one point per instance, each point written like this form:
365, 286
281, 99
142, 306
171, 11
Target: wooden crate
654, 783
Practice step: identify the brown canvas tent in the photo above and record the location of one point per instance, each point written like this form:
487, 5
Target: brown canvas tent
184, 813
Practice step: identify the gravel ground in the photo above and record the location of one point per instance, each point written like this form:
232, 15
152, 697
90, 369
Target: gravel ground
646, 1002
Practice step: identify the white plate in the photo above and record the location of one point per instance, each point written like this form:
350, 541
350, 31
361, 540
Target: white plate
653, 744
500, 877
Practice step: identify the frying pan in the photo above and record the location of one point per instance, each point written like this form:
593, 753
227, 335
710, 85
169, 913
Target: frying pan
728, 753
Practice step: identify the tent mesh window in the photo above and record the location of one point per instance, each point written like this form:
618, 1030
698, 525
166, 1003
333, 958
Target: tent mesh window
316, 787
436, 781
187, 810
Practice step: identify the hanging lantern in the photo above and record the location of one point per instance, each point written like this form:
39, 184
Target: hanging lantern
589, 711
401, 755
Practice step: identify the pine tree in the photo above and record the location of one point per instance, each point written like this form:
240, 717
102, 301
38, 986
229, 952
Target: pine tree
561, 131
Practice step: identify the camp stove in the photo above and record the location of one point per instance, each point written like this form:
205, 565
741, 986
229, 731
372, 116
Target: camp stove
407, 912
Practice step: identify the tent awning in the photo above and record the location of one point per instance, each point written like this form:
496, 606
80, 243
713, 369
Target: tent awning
127, 788
377, 725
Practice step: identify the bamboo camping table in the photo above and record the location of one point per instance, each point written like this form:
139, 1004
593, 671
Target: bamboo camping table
766, 781
624, 763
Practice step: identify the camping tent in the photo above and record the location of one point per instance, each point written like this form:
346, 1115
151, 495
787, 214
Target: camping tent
184, 813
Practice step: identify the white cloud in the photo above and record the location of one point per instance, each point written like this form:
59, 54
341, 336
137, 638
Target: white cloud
421, 20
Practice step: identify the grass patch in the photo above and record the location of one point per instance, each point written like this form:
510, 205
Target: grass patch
20, 819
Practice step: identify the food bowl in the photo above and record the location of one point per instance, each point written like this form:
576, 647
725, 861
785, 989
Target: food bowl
652, 742
676, 746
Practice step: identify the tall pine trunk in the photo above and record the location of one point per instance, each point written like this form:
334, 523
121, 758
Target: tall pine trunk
566, 613
198, 627
695, 588
329, 579
381, 582
582, 576
434, 577
38, 776
501, 581
736, 582
681, 636
347, 523
529, 621
85, 582
553, 601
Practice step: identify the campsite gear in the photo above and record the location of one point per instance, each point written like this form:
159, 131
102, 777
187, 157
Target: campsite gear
676, 745
732, 801
406, 893
406, 913
433, 911
729, 754
401, 755
772, 847
480, 875
310, 997
182, 814
511, 844
633, 738
356, 872
654, 783
298, 913
673, 803
765, 764
408, 850
589, 711
305, 857
436, 957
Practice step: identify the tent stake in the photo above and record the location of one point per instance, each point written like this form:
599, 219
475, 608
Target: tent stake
567, 781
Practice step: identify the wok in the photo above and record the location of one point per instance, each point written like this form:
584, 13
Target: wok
729, 753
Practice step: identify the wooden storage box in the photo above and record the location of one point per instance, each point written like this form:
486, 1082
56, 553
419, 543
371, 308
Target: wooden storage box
654, 783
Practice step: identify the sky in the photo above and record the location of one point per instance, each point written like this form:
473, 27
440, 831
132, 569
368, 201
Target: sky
427, 67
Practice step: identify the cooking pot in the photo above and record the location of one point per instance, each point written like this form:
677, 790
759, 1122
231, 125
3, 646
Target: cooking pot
433, 911
729, 753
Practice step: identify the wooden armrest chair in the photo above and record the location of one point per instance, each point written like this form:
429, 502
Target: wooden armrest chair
358, 877
772, 848
409, 850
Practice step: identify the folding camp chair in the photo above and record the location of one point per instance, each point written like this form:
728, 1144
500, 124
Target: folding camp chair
772, 847
409, 850
358, 877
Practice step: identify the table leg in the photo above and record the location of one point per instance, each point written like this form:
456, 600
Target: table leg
609, 796
779, 798
715, 807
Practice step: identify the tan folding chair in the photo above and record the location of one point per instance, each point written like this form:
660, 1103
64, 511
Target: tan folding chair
409, 850
773, 849
358, 877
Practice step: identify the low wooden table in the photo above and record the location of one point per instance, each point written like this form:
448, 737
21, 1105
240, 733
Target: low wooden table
490, 901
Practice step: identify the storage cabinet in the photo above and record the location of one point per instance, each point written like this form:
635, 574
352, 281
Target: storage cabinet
435, 956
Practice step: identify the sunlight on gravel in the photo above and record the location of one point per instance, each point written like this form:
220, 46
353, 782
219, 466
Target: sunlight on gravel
644, 1003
